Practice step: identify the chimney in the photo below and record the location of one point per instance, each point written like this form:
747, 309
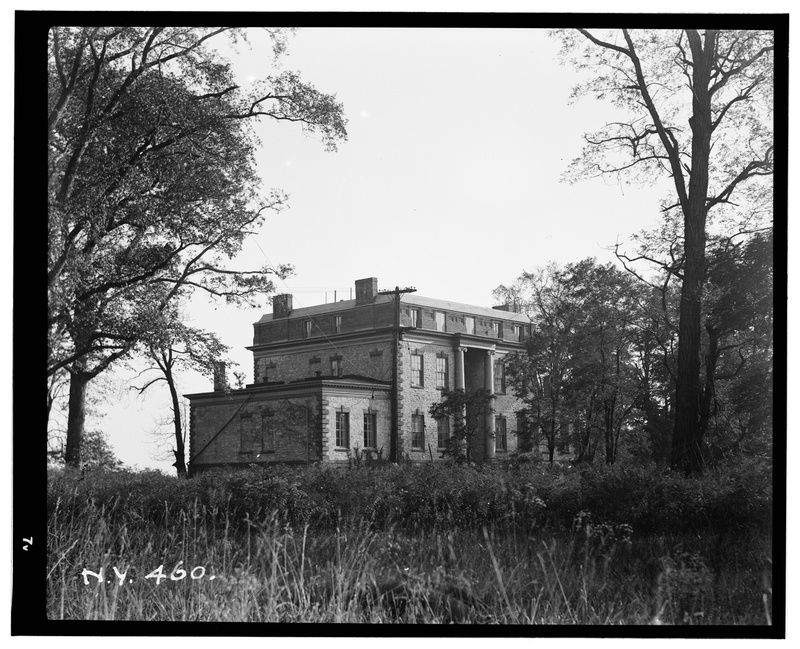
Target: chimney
512, 307
220, 377
281, 305
366, 290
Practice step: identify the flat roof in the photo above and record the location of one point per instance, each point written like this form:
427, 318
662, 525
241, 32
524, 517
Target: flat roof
347, 381
411, 299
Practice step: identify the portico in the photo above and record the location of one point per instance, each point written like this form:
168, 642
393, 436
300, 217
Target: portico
474, 361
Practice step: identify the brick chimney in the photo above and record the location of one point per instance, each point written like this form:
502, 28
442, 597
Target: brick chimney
220, 377
512, 307
281, 305
366, 290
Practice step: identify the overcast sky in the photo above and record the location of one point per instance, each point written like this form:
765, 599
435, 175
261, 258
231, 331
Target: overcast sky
450, 181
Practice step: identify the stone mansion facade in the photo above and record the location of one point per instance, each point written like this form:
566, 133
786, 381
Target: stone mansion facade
359, 376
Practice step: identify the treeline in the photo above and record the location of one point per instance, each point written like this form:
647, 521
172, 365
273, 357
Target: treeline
599, 374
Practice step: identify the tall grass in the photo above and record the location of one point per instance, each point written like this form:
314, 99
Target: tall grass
295, 547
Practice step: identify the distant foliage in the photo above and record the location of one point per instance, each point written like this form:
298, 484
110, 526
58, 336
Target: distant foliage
96, 453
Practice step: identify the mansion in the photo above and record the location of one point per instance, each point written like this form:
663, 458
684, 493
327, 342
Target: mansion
358, 377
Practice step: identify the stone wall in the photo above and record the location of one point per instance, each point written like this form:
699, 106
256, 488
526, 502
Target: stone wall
356, 405
455, 322
418, 399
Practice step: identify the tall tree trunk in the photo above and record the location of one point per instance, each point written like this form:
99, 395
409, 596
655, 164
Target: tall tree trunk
712, 357
76, 417
551, 441
686, 449
179, 450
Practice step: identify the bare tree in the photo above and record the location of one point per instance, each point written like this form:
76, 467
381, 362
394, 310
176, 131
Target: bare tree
178, 347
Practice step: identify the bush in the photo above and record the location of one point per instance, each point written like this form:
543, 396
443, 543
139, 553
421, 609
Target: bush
428, 495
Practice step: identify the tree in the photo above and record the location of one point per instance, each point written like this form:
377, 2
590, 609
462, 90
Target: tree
177, 346
737, 382
718, 83
538, 376
152, 186
468, 411
579, 367
96, 453
601, 353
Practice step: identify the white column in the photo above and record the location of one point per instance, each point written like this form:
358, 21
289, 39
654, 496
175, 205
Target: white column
489, 385
460, 382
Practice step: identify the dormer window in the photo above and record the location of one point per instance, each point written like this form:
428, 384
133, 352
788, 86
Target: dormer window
415, 317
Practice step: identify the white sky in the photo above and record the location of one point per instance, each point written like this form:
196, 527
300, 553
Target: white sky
449, 181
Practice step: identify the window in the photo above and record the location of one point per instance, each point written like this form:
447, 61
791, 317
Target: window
307, 329
497, 329
250, 440
267, 434
442, 432
500, 434
415, 317
343, 430
499, 377
418, 432
337, 324
370, 437
262, 376
439, 317
416, 370
336, 366
441, 372
518, 332
469, 324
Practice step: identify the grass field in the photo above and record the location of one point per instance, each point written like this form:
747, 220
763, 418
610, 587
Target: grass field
432, 544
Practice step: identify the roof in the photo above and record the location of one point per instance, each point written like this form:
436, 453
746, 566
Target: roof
405, 298
348, 381
330, 307
447, 305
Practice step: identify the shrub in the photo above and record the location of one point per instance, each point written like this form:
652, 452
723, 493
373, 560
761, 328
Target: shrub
437, 494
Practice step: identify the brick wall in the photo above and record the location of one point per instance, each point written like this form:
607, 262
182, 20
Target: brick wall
261, 429
372, 359
357, 318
